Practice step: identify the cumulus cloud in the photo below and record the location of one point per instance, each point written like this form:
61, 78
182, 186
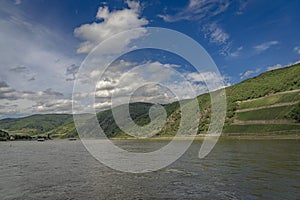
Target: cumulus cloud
9, 109
265, 46
25, 50
125, 80
119, 80
13, 101
102, 105
206, 81
53, 106
112, 22
106, 84
28, 102
154, 82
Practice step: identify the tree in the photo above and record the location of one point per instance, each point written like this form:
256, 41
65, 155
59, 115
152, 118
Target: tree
3, 135
295, 113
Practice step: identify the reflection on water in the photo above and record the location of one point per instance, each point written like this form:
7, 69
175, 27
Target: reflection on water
235, 169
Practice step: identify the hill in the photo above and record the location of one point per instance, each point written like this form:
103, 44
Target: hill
265, 104
34, 124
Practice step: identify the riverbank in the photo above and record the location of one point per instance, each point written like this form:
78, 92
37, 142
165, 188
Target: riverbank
232, 137
257, 136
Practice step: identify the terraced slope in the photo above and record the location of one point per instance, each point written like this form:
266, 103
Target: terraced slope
269, 114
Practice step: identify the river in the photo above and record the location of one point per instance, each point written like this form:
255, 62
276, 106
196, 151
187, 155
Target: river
235, 169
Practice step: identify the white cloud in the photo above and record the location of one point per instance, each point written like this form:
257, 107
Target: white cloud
277, 66
106, 84
216, 34
198, 10
236, 53
206, 81
53, 106
32, 60
32, 56
266, 45
119, 80
269, 68
249, 72
294, 63
102, 105
206, 12
28, 102
34, 67
297, 49
126, 80
113, 22
9, 107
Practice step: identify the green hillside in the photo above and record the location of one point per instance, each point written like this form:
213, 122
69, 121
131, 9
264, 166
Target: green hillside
34, 124
271, 113
266, 104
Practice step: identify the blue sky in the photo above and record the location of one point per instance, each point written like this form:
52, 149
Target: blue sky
43, 42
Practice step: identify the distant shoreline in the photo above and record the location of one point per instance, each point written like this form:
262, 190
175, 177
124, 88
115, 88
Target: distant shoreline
235, 136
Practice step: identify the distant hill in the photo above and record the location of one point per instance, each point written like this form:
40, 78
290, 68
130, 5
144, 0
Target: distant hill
34, 124
265, 104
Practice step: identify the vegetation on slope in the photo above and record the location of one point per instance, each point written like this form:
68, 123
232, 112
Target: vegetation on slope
281, 112
295, 113
262, 128
270, 82
263, 90
271, 100
3, 135
34, 124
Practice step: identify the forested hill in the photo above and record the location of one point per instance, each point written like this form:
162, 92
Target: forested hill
265, 104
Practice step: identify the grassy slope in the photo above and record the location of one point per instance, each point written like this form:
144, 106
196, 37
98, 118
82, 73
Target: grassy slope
270, 82
264, 85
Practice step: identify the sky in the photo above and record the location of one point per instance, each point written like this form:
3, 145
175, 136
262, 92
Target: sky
43, 43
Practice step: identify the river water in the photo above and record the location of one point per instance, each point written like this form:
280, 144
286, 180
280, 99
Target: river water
235, 169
